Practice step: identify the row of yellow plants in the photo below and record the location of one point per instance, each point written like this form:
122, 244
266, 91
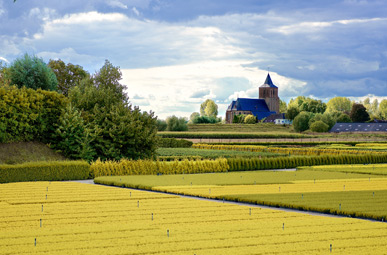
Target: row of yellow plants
290, 151
145, 167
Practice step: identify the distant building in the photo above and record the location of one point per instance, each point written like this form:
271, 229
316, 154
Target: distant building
266, 105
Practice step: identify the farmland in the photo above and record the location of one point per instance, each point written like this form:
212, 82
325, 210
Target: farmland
86, 219
360, 194
209, 154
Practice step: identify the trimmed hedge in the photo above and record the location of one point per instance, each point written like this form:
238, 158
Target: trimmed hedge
149, 167
246, 164
193, 135
174, 143
45, 171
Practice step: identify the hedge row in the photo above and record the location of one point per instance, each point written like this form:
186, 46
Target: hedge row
283, 144
246, 164
290, 151
149, 167
174, 143
45, 171
194, 135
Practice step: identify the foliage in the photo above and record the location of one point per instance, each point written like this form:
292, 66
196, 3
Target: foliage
27, 114
146, 167
32, 72
250, 119
161, 125
209, 108
301, 122
72, 137
307, 104
193, 116
292, 112
176, 124
319, 126
120, 130
383, 109
359, 113
240, 118
282, 106
174, 143
45, 171
340, 104
343, 118
204, 120
67, 75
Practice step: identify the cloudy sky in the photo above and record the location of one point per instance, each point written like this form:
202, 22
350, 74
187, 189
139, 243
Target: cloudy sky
174, 54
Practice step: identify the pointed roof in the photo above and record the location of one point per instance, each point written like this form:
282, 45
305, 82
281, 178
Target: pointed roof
268, 83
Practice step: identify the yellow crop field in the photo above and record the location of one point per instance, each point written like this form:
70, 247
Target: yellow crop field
79, 218
308, 186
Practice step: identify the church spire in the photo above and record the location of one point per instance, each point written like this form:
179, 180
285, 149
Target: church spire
268, 82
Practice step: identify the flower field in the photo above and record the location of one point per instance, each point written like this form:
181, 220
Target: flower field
89, 219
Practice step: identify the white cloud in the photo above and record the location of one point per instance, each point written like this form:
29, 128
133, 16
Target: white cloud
116, 3
313, 27
135, 11
4, 59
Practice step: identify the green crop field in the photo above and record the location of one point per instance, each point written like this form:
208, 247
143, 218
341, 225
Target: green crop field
375, 169
211, 154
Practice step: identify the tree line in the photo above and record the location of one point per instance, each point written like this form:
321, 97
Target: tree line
84, 116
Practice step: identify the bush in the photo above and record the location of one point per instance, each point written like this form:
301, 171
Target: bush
204, 120
45, 171
250, 119
301, 122
32, 72
27, 114
161, 125
174, 143
176, 124
343, 118
319, 126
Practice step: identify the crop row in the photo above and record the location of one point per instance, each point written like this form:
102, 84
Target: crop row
194, 135
162, 224
212, 154
141, 167
290, 151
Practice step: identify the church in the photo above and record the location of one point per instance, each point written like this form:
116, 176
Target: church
266, 105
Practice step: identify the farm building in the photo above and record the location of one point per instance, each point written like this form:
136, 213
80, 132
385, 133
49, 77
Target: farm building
266, 105
359, 127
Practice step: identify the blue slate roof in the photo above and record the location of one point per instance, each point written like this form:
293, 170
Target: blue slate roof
257, 107
269, 83
359, 127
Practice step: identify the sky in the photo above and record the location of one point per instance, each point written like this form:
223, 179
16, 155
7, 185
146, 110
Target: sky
175, 54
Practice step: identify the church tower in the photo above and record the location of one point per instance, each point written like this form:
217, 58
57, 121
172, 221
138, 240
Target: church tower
269, 92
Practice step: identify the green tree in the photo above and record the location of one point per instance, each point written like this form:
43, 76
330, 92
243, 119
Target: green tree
319, 126
209, 108
240, 118
250, 119
161, 125
359, 113
176, 124
343, 118
68, 75
193, 116
32, 72
72, 138
339, 104
292, 112
283, 107
123, 131
301, 122
374, 107
383, 109
313, 105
